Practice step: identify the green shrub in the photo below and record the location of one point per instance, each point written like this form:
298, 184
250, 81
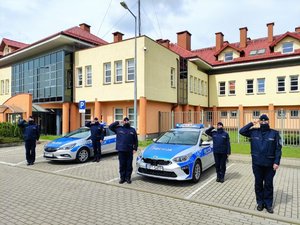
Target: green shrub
10, 130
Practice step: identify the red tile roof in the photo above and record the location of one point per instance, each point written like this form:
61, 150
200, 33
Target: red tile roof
11, 43
208, 54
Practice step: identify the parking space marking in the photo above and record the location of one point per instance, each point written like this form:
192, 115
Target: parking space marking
74, 167
10, 150
24, 161
202, 186
117, 178
9, 164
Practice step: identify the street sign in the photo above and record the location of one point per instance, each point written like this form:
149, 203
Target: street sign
81, 106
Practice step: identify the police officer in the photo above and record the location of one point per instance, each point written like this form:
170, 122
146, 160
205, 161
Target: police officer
97, 136
127, 144
266, 153
31, 135
221, 149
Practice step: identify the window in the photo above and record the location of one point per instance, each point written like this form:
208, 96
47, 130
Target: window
209, 117
255, 114
231, 85
118, 72
253, 52
221, 88
130, 115
191, 84
228, 56
199, 87
107, 73
88, 74
173, 78
2, 87
249, 86
287, 47
118, 114
6, 86
130, 70
261, 51
195, 85
202, 88
294, 83
261, 85
88, 115
280, 84
233, 114
79, 77
224, 114
281, 113
294, 113
205, 88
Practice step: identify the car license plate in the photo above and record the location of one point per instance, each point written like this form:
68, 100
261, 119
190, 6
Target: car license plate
152, 167
47, 154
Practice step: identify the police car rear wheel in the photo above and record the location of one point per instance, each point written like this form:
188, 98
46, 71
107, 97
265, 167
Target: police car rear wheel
82, 155
197, 171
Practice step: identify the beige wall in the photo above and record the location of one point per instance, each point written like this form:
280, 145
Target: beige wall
228, 49
271, 96
195, 97
5, 74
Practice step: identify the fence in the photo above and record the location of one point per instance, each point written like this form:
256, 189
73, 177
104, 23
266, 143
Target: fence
286, 123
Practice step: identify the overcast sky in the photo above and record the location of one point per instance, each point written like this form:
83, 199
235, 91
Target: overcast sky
31, 20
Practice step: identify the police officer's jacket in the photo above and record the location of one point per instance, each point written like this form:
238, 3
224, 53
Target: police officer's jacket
265, 145
97, 132
126, 137
220, 140
30, 130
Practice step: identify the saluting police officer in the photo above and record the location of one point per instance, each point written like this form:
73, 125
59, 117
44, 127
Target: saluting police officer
97, 136
31, 135
127, 144
221, 149
266, 154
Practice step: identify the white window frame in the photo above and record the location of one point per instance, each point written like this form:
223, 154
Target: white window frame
256, 114
107, 73
231, 91
248, 89
118, 72
281, 84
79, 77
130, 115
223, 86
2, 87
195, 85
118, 114
7, 86
224, 114
287, 47
228, 56
294, 114
296, 85
191, 83
233, 114
130, 69
259, 89
88, 76
173, 78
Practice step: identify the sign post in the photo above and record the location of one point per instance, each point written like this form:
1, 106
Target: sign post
81, 106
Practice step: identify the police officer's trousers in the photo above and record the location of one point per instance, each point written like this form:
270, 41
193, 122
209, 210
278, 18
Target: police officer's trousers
264, 184
220, 164
30, 151
97, 148
125, 164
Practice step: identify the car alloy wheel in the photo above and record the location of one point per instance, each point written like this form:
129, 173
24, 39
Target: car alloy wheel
82, 155
197, 171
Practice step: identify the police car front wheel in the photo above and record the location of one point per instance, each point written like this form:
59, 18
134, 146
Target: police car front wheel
197, 171
82, 155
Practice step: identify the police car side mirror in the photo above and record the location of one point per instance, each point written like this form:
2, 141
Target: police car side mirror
205, 143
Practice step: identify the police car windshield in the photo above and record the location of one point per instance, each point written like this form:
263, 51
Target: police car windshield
80, 133
179, 137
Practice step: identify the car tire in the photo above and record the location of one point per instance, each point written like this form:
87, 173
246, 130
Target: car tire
82, 155
197, 171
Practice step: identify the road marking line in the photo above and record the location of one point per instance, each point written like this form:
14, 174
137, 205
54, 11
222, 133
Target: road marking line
24, 161
194, 192
6, 163
117, 178
10, 150
74, 167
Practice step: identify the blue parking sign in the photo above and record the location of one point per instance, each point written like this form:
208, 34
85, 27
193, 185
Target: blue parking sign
81, 106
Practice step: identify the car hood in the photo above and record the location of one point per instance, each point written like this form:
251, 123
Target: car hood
61, 141
163, 151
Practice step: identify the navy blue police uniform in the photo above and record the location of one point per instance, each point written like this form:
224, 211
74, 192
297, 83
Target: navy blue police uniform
221, 149
265, 151
126, 143
31, 134
97, 135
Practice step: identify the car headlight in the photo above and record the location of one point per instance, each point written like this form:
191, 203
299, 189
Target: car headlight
66, 147
182, 158
139, 155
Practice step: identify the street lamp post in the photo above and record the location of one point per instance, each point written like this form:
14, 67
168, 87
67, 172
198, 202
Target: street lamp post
135, 60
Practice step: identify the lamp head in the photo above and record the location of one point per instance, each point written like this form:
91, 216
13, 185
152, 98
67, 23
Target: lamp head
124, 5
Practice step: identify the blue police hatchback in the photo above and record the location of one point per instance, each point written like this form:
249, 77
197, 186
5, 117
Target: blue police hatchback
77, 145
182, 153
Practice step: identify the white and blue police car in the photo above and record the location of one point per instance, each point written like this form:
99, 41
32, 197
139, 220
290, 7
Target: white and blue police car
77, 145
182, 153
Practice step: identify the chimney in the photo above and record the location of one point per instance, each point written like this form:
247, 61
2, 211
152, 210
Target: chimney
184, 40
118, 36
165, 42
243, 37
270, 31
297, 29
219, 40
85, 27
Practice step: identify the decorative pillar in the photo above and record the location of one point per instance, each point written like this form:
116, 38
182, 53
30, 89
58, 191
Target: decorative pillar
97, 111
185, 113
271, 115
66, 117
241, 116
215, 118
74, 116
142, 118
197, 110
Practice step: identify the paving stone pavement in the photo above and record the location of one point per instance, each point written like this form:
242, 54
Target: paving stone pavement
71, 193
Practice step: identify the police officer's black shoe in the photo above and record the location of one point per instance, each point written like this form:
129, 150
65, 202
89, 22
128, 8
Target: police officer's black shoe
95, 160
218, 179
270, 209
98, 160
28, 164
260, 207
128, 181
121, 181
221, 180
